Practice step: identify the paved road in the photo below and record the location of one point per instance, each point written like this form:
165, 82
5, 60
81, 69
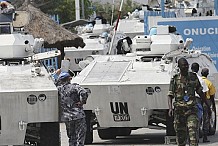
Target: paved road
142, 137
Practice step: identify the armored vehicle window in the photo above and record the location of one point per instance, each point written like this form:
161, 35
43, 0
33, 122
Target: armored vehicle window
5, 29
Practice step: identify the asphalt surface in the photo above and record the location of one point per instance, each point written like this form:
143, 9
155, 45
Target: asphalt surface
139, 137
142, 137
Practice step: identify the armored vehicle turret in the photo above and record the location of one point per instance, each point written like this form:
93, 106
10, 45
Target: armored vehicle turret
129, 91
28, 96
96, 38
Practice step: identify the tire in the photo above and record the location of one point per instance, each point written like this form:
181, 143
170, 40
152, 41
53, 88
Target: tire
212, 126
170, 131
32, 134
49, 134
89, 132
108, 133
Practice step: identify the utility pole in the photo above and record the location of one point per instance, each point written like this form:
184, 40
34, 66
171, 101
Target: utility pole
112, 15
115, 29
83, 10
77, 6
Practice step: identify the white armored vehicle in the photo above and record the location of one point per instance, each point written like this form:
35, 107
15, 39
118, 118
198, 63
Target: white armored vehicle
28, 97
133, 24
96, 39
130, 91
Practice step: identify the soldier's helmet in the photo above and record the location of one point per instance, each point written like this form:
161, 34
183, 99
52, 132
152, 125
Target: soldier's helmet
63, 75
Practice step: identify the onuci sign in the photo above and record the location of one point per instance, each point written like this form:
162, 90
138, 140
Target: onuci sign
203, 31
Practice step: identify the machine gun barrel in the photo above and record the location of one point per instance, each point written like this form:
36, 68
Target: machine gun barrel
46, 55
180, 50
115, 29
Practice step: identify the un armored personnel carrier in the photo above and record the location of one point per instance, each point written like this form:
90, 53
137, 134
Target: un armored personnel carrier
96, 39
28, 96
129, 91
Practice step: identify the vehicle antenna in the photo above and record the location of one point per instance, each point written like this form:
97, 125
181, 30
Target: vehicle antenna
115, 29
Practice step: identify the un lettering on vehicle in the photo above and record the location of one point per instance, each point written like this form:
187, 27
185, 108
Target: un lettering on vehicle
120, 111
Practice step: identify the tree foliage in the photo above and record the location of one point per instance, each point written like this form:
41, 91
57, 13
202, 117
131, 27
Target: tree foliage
107, 9
36, 3
65, 9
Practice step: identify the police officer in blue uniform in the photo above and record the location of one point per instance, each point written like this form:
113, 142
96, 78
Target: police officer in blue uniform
72, 97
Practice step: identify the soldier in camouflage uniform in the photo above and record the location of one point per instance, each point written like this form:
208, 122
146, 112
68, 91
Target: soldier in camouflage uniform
182, 87
72, 97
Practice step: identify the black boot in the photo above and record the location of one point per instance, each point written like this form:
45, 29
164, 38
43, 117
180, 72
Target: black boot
205, 139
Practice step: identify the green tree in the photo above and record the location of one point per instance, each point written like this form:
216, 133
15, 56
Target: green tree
128, 7
87, 9
36, 3
106, 10
101, 10
65, 9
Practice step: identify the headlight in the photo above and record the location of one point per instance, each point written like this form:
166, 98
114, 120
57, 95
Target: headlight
32, 99
42, 97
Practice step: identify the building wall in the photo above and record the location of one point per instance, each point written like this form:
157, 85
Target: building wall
203, 31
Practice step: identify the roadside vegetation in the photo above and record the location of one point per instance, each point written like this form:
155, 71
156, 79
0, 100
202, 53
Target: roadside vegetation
65, 9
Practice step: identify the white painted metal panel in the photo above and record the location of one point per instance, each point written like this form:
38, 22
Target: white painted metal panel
13, 46
17, 109
107, 72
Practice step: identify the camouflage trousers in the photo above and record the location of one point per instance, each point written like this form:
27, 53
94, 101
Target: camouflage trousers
76, 132
206, 118
186, 125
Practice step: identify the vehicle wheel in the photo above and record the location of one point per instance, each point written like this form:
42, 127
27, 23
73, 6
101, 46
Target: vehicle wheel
108, 133
49, 134
123, 131
170, 131
212, 126
89, 132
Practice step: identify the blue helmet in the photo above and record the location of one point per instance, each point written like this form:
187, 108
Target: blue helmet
63, 75
104, 34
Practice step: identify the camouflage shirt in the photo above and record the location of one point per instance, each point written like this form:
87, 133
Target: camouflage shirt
184, 86
72, 97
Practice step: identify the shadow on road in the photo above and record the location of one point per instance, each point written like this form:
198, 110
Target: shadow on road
135, 139
147, 139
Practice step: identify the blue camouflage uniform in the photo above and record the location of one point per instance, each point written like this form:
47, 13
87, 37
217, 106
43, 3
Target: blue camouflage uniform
72, 97
185, 107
